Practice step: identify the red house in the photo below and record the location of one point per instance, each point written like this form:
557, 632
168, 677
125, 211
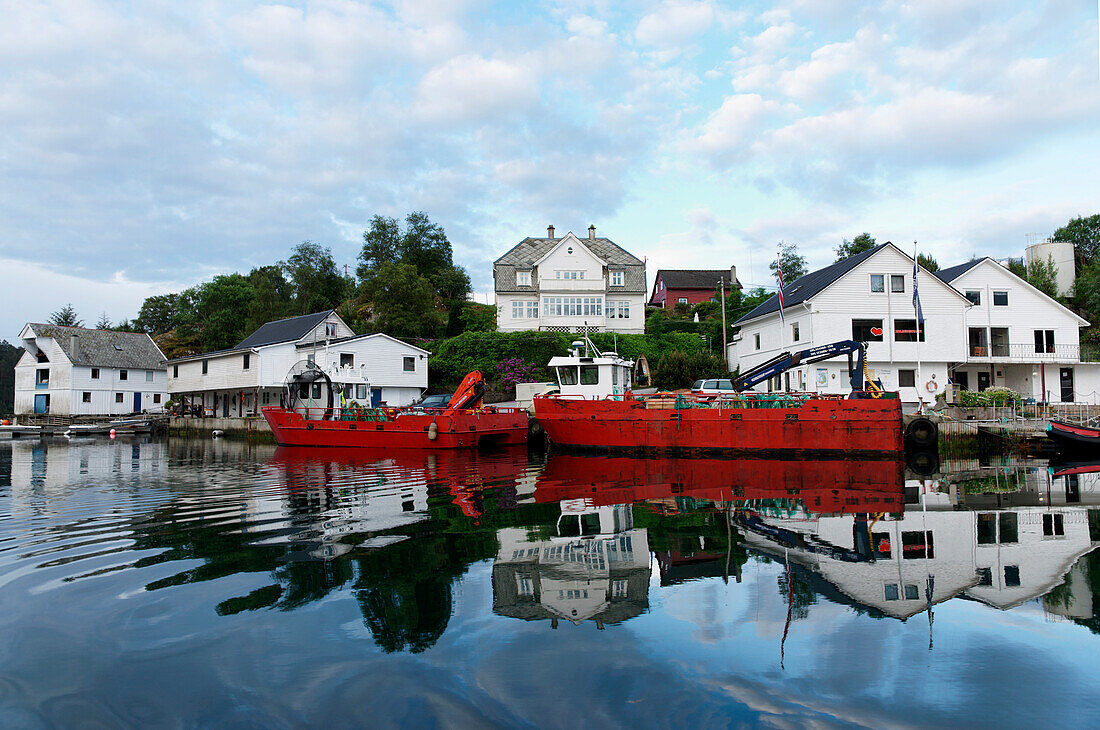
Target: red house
690, 286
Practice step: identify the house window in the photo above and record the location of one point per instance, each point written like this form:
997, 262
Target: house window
756, 341
518, 308
409, 364
878, 283
906, 330
618, 310
1044, 341
794, 332
532, 310
911, 592
682, 300
42, 378
1000, 299
1010, 532
988, 523
86, 397
897, 283
175, 371
330, 329
246, 360
148, 376
985, 577
907, 378
975, 297
890, 592
42, 357
123, 375
347, 360
569, 275
118, 397
205, 366
523, 278
156, 397
880, 541
1054, 525
998, 341
987, 528
616, 278
916, 544
266, 397
864, 330
95, 373
1012, 576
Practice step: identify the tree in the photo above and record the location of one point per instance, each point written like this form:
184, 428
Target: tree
1084, 234
381, 245
794, 265
219, 306
9, 356
104, 322
859, 244
928, 262
158, 314
425, 246
1043, 275
66, 317
272, 299
316, 282
403, 301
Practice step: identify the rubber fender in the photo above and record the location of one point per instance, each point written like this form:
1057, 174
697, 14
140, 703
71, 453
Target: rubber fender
433, 431
922, 432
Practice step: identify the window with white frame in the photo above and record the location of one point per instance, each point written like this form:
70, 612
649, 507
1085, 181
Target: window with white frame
525, 310
568, 274
878, 283
523, 278
1000, 299
618, 309
330, 329
795, 334
897, 283
572, 306
408, 364
756, 341
616, 278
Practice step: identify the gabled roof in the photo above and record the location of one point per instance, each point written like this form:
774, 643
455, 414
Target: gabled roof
695, 278
284, 330
950, 274
353, 338
104, 348
525, 254
811, 284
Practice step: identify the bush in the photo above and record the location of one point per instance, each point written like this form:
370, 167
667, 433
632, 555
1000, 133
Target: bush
679, 369
995, 396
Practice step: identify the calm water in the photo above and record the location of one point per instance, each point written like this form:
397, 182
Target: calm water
204, 583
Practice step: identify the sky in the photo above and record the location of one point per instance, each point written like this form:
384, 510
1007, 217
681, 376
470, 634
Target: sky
148, 146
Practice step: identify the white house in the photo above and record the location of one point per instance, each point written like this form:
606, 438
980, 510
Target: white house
869, 298
78, 371
570, 284
1017, 336
374, 369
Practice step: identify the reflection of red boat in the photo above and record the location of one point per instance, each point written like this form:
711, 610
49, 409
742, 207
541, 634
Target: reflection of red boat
838, 487
758, 423
399, 428
1071, 436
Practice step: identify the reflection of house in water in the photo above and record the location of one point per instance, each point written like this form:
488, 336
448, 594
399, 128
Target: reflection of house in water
1000, 556
596, 568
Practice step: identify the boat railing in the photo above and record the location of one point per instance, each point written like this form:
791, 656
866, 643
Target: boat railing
680, 400
388, 413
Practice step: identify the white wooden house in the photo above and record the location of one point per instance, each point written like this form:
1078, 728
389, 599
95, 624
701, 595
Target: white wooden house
79, 371
374, 369
869, 298
1018, 337
570, 284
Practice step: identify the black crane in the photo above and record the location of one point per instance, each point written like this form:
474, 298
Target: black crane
785, 361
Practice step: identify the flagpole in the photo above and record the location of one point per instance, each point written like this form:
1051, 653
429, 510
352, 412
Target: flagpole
918, 315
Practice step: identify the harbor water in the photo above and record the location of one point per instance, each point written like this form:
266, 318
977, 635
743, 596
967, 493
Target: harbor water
210, 583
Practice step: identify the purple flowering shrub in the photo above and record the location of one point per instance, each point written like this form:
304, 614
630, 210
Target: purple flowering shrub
516, 370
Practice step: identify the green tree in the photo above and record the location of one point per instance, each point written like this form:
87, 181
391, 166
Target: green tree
315, 281
66, 317
381, 245
859, 244
425, 246
9, 356
159, 313
1043, 275
794, 265
218, 309
273, 296
403, 301
930, 264
104, 322
1084, 234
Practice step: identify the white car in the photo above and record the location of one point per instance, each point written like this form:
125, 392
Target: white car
712, 388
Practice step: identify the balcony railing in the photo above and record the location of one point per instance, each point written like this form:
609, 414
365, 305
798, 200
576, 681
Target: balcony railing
1033, 353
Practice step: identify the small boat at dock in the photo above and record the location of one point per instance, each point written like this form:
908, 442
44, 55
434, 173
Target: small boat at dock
1074, 437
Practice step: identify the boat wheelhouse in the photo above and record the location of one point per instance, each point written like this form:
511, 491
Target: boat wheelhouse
594, 374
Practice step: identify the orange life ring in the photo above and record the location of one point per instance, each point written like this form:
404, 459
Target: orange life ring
931, 386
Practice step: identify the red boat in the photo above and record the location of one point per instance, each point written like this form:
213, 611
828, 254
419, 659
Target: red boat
1068, 435
777, 423
464, 423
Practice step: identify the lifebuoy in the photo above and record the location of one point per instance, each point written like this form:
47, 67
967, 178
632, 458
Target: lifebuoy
931, 386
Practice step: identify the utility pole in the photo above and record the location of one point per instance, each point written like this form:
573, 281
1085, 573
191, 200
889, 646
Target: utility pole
725, 350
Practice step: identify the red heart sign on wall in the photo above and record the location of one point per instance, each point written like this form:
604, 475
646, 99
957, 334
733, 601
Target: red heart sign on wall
876, 331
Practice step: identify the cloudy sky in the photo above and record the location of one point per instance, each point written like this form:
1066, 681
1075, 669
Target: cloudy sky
147, 146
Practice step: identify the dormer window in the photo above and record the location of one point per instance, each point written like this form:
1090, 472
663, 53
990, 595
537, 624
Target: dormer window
523, 278
616, 278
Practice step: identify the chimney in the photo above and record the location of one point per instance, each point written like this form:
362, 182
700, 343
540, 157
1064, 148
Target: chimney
592, 233
550, 232
74, 340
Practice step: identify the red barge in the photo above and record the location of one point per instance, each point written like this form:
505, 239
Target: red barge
464, 423
605, 415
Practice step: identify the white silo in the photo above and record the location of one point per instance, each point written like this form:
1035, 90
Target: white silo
1061, 253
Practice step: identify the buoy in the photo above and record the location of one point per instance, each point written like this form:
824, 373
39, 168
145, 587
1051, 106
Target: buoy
112, 433
433, 431
216, 432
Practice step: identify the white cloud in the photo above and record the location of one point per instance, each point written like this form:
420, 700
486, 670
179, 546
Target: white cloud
675, 22
733, 127
469, 88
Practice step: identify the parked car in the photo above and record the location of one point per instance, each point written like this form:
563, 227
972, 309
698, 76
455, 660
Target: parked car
712, 388
439, 400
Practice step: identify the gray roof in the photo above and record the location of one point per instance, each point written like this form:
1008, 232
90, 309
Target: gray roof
811, 284
694, 278
950, 274
284, 330
104, 348
524, 254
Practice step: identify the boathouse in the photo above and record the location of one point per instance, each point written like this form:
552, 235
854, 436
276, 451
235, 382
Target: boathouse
75, 371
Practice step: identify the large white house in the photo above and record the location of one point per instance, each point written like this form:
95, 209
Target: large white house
570, 284
375, 369
1017, 336
983, 326
77, 371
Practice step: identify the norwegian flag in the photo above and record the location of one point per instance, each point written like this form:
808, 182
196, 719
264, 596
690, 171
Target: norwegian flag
779, 275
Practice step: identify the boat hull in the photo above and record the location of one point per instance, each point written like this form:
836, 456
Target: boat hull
403, 429
1076, 438
856, 426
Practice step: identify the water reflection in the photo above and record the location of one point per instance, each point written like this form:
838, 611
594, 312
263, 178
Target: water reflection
429, 549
